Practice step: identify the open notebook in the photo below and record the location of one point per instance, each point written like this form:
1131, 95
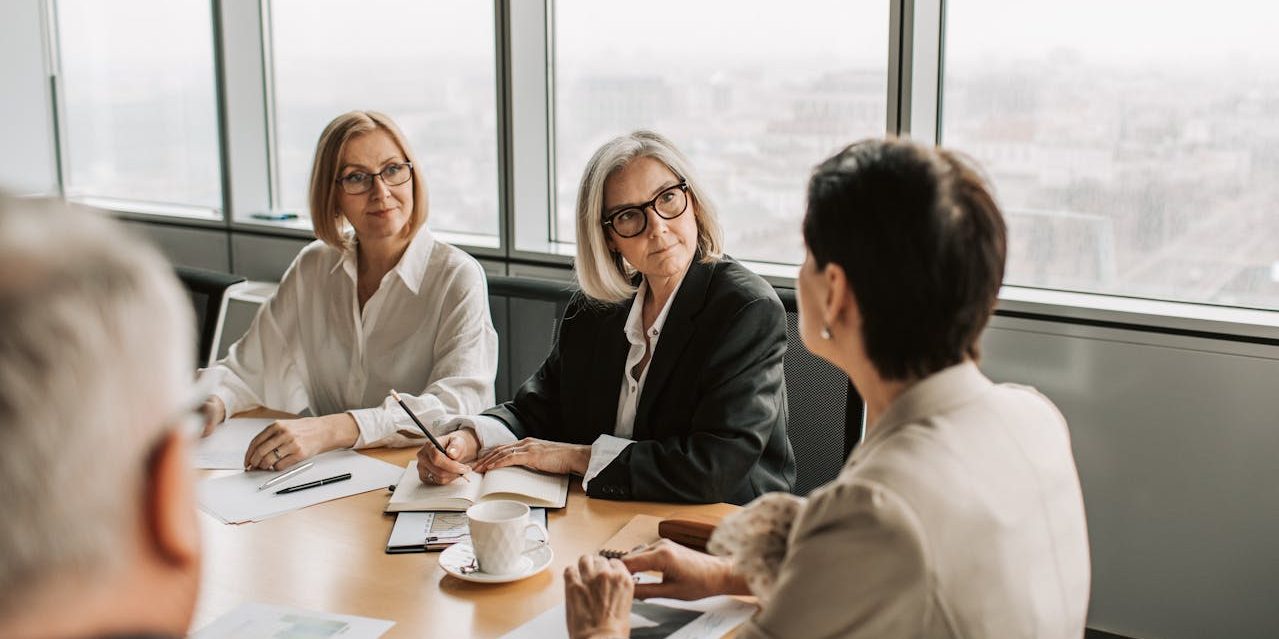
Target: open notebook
519, 484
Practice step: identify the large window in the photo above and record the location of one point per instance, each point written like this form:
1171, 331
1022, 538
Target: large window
140, 117
428, 65
754, 92
1134, 145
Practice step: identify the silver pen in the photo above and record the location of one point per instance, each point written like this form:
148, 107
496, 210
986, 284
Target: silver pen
292, 472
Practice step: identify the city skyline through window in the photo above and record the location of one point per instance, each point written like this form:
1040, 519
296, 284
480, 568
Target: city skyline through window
1131, 145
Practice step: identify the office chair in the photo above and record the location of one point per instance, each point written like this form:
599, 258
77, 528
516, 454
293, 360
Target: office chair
209, 291
825, 412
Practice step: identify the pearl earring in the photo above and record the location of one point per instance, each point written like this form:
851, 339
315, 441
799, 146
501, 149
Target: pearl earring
825, 332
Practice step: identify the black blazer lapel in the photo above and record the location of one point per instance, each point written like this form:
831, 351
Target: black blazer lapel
605, 382
676, 332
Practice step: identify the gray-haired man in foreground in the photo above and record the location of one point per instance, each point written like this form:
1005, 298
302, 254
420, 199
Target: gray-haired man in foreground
98, 529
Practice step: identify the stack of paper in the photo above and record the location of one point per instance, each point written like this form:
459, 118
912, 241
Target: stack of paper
236, 499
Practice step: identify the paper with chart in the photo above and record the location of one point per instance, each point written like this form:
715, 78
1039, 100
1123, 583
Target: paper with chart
224, 448
236, 499
260, 621
709, 618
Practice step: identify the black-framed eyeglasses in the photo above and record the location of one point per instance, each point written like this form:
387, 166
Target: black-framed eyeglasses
358, 182
632, 220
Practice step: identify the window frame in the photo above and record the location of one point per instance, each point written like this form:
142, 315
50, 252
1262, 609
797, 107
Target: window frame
195, 215
525, 95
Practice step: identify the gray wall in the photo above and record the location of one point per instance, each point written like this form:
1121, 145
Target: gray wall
1175, 438
1176, 441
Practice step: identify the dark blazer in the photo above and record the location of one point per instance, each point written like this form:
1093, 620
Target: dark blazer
710, 423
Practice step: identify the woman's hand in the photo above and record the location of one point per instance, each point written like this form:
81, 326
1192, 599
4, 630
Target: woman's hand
538, 454
597, 598
686, 574
433, 467
214, 412
289, 441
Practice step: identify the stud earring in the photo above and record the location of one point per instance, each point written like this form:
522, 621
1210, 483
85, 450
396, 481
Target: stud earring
825, 332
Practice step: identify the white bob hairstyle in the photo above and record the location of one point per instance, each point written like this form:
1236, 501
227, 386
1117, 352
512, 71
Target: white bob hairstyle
95, 342
602, 274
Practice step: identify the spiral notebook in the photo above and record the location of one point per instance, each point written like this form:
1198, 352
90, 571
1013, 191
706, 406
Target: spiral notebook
542, 490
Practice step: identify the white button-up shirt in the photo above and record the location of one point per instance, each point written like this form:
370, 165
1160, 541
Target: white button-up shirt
425, 332
492, 432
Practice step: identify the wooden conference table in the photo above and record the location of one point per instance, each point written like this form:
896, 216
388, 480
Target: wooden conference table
330, 557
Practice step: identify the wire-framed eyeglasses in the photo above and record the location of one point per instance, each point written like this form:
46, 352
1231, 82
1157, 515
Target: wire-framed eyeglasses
358, 182
632, 220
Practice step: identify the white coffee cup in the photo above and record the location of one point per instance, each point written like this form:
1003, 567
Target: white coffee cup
498, 535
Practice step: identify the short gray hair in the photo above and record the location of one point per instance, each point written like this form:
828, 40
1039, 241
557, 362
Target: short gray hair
95, 338
601, 273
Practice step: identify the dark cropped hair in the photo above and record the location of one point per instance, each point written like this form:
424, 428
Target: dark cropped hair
922, 243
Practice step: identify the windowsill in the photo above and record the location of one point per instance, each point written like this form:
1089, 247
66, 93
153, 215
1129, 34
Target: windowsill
1130, 312
1140, 313
1122, 312
150, 211
548, 249
301, 227
469, 240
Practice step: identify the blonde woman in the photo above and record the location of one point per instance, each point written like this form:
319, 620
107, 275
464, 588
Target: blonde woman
375, 303
666, 381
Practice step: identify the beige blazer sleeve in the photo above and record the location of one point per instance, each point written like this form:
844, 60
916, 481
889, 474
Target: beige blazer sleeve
856, 566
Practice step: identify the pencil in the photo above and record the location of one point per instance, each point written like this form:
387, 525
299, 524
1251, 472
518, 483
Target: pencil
426, 432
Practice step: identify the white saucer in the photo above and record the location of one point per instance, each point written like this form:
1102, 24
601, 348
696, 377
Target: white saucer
461, 554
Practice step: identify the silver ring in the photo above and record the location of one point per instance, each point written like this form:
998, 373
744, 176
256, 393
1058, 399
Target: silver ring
430, 476
277, 453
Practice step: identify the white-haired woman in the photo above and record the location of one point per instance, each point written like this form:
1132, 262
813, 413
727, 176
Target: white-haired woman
666, 381
375, 303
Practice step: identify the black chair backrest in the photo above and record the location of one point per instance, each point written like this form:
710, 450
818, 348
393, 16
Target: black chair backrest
825, 410
208, 293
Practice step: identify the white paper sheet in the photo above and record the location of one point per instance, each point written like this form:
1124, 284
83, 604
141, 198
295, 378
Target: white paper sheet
224, 448
236, 499
720, 615
260, 621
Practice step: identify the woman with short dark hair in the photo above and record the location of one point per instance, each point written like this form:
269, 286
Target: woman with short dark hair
960, 515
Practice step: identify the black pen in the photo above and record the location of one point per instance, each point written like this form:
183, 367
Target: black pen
313, 484
424, 430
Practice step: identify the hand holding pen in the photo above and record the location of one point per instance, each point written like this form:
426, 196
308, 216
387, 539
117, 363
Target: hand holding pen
438, 462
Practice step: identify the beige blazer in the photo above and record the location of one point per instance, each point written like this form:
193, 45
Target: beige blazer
959, 516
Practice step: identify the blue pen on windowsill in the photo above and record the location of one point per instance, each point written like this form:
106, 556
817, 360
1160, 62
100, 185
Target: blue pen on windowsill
314, 484
280, 216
